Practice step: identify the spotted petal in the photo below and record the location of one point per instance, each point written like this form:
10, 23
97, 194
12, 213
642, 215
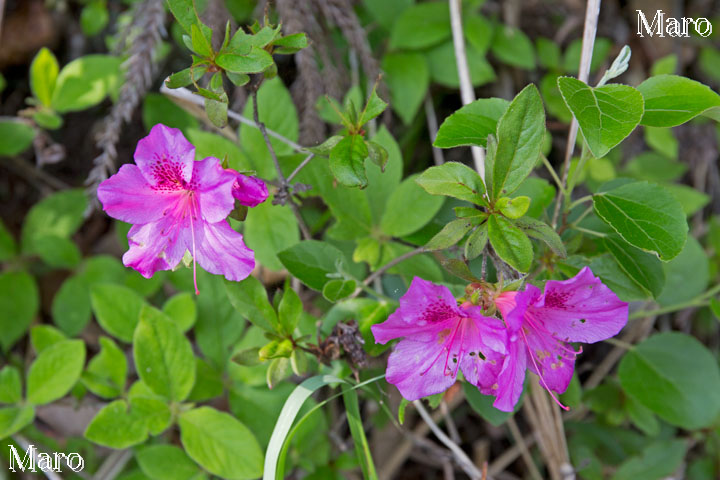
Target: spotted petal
580, 309
165, 158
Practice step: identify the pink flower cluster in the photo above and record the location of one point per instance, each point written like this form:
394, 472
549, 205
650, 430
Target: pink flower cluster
440, 337
177, 204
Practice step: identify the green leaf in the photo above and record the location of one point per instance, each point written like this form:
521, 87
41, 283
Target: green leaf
335, 290
671, 100
676, 377
290, 310
510, 243
667, 65
10, 385
311, 261
158, 108
257, 60
662, 141
513, 208
43, 75
163, 356
94, 17
654, 167
117, 309
612, 275
71, 306
185, 77
186, 15
476, 242
548, 53
408, 79
290, 44
451, 233
687, 275
644, 215
347, 161
56, 216
14, 419
421, 26
513, 47
44, 336
167, 462
471, 124
270, 229
483, 405
642, 417
278, 370
453, 179
658, 460
85, 82
220, 444
55, 371
15, 137
117, 426
57, 252
107, 371
357, 431
543, 232
409, 208
182, 310
374, 107
690, 199
606, 114
8, 247
443, 66
19, 302
644, 268
520, 133
249, 298
200, 44
153, 412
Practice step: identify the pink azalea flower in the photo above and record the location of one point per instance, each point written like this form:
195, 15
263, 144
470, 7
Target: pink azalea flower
440, 338
249, 191
580, 309
176, 204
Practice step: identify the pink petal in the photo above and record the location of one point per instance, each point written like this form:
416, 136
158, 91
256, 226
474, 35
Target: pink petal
580, 309
165, 158
512, 376
484, 342
128, 197
551, 360
213, 186
155, 246
249, 191
513, 305
417, 369
220, 250
424, 311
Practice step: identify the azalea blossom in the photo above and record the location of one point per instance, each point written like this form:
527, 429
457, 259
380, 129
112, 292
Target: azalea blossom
438, 339
249, 191
540, 324
176, 205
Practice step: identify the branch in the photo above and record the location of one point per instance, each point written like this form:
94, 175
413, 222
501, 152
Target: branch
284, 193
463, 460
591, 20
23, 442
183, 95
466, 90
432, 130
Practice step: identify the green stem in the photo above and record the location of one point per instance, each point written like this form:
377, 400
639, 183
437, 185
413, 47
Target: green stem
579, 201
554, 174
699, 301
588, 231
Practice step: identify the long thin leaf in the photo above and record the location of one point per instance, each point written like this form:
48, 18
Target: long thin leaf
362, 449
287, 416
280, 439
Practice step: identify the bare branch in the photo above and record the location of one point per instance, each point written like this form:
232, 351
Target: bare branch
466, 89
